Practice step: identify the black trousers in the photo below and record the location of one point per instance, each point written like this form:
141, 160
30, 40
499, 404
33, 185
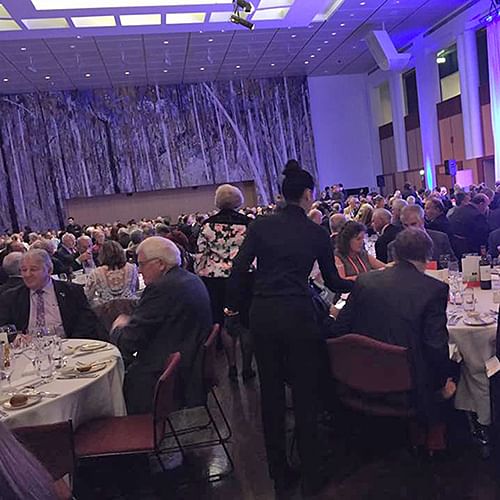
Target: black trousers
287, 349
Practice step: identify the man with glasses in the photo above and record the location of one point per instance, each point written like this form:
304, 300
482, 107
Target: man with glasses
173, 315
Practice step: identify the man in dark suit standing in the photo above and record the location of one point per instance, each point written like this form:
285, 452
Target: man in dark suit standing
174, 314
413, 216
404, 307
41, 302
469, 224
74, 229
381, 222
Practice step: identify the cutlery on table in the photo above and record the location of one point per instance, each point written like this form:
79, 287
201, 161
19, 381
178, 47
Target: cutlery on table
75, 375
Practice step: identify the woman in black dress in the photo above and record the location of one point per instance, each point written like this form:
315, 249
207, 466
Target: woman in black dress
287, 340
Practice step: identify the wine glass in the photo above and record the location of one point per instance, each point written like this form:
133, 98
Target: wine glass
8, 369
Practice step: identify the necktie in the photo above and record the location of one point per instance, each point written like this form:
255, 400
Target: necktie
40, 309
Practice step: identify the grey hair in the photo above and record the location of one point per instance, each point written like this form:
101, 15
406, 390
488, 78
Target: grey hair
399, 204
337, 222
156, 247
65, 236
12, 262
383, 214
40, 255
416, 209
229, 197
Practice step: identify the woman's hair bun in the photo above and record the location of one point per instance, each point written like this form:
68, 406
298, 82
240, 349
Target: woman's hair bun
292, 166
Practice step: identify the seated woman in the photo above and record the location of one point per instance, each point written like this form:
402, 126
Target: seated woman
114, 279
351, 258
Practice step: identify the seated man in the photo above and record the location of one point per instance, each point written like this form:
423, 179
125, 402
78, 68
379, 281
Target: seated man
403, 306
41, 302
174, 314
413, 216
11, 264
69, 256
381, 222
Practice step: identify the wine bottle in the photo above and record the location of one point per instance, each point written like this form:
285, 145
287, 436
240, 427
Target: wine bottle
484, 270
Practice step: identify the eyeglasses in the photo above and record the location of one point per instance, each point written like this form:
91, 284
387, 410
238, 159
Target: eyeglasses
144, 262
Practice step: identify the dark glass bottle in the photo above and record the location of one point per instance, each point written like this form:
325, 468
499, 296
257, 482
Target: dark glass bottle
485, 270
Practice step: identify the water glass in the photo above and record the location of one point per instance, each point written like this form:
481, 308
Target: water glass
7, 371
452, 267
469, 300
44, 364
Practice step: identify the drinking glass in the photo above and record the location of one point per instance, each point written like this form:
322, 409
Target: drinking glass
452, 267
44, 364
469, 300
7, 370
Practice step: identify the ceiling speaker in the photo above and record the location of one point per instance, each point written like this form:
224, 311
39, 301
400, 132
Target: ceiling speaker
385, 54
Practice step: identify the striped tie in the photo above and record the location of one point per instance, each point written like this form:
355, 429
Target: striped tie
40, 309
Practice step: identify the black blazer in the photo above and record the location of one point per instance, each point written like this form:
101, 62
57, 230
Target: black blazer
12, 282
173, 314
440, 246
441, 224
77, 318
389, 234
469, 223
67, 260
402, 306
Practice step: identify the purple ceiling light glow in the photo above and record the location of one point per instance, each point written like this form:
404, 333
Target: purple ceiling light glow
493, 33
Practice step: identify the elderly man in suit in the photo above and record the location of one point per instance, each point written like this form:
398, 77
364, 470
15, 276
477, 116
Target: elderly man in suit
41, 302
381, 222
413, 216
411, 316
174, 314
11, 265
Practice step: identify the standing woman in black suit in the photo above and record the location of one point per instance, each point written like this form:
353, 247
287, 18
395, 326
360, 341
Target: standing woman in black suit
287, 340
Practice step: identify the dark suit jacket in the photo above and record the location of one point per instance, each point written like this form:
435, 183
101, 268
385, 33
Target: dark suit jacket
389, 234
441, 224
440, 246
494, 218
404, 307
78, 319
173, 314
67, 260
471, 225
12, 282
494, 243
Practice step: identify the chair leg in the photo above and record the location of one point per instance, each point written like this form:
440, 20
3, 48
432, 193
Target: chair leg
176, 438
216, 477
226, 422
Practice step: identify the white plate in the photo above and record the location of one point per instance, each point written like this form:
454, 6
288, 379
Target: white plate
73, 370
92, 346
32, 400
482, 320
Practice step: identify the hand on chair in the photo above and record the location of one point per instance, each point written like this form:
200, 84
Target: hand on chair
449, 389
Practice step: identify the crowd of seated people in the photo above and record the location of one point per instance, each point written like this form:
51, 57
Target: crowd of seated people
186, 266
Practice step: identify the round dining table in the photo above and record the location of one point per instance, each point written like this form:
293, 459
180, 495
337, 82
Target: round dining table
69, 394
473, 346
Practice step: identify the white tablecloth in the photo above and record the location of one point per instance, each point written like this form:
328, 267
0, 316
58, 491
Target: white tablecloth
475, 344
80, 399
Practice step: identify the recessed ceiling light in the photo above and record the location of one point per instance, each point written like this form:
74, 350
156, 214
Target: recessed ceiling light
94, 21
165, 71
9, 25
269, 14
294, 36
5, 80
362, 4
334, 33
319, 49
202, 69
351, 15
72, 46
272, 64
185, 17
306, 62
326, 41
165, 42
78, 37
46, 23
210, 40
47, 77
342, 25
312, 56
140, 19
87, 75
238, 66
127, 73
23, 49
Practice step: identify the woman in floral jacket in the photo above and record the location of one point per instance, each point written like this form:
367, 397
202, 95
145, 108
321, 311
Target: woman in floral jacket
219, 241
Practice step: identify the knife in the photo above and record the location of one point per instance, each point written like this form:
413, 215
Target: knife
67, 377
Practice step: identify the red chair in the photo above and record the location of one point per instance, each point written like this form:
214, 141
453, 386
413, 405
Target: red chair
134, 434
372, 377
53, 446
210, 381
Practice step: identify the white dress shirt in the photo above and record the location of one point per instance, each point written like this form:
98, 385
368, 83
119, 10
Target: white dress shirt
52, 314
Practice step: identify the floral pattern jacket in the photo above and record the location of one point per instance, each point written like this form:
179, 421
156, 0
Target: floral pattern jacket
219, 241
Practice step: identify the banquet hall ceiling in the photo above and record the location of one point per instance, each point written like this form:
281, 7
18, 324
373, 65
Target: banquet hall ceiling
298, 42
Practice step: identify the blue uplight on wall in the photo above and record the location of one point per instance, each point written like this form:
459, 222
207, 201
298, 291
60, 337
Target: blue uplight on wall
429, 174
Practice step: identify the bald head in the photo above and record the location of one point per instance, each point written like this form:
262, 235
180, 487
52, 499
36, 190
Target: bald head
337, 222
381, 217
315, 215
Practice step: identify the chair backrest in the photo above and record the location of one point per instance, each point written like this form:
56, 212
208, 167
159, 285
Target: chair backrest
165, 401
369, 366
109, 311
209, 358
52, 445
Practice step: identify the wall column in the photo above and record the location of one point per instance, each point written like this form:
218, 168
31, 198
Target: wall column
398, 120
469, 89
429, 95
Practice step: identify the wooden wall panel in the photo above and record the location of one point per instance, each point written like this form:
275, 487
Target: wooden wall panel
388, 155
457, 130
445, 135
489, 145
